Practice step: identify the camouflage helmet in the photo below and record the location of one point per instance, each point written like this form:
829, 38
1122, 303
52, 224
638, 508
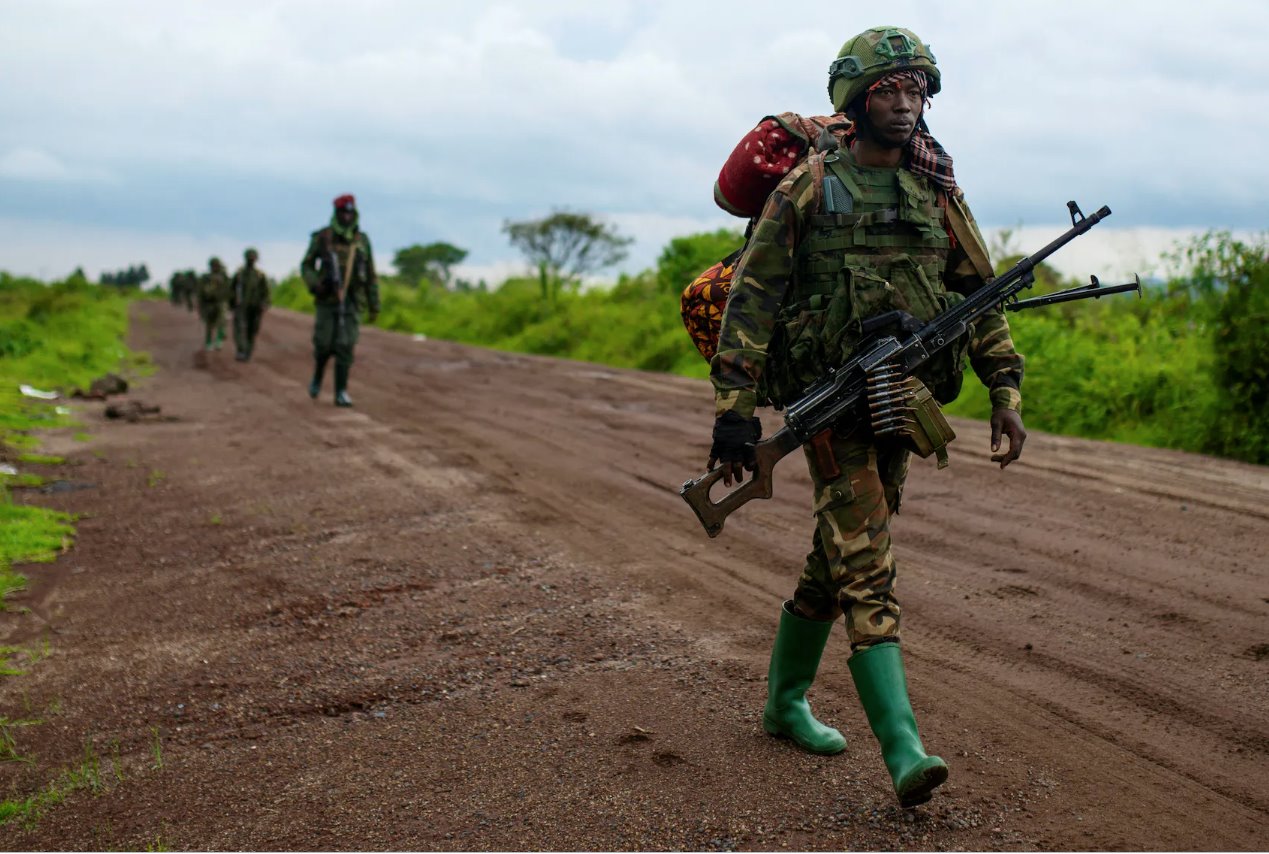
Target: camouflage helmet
251, 254
873, 54
214, 262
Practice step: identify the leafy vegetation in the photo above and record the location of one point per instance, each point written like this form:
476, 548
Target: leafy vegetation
565, 246
59, 336
1186, 366
133, 277
433, 262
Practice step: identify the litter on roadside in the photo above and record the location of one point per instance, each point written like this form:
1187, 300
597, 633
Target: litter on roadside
29, 391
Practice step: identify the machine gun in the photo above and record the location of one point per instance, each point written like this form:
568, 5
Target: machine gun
880, 375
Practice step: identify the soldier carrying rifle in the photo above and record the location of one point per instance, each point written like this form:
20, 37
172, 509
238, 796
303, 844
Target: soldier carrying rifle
249, 298
337, 267
864, 286
846, 236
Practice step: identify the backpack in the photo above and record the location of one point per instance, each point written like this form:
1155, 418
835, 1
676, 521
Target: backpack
702, 303
757, 164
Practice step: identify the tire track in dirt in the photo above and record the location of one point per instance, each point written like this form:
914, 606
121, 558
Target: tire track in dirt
473, 612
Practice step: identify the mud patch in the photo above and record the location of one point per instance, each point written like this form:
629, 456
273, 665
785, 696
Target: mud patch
59, 486
1015, 591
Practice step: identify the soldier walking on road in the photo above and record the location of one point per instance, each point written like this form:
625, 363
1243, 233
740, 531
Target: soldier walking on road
249, 298
846, 236
213, 294
337, 268
190, 288
176, 287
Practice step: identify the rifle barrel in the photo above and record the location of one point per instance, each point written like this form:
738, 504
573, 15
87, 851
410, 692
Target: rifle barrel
1070, 296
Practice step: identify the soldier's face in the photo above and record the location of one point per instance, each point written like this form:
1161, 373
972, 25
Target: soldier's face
893, 111
344, 215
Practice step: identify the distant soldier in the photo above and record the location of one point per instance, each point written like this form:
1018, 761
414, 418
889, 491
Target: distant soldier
338, 266
175, 287
213, 293
249, 298
190, 288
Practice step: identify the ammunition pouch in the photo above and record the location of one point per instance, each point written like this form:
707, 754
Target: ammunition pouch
926, 430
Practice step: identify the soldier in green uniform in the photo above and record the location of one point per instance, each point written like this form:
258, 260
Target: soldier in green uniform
249, 298
190, 288
339, 271
176, 287
213, 294
845, 236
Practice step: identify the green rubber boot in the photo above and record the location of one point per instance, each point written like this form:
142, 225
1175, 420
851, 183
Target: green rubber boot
795, 657
341, 386
315, 385
883, 691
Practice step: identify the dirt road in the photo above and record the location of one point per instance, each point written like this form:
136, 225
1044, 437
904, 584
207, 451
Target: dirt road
473, 613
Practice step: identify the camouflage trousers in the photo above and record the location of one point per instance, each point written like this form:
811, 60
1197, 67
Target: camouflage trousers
213, 317
850, 569
247, 327
331, 338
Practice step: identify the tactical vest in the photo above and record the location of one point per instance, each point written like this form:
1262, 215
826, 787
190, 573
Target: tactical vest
213, 287
254, 285
328, 244
874, 243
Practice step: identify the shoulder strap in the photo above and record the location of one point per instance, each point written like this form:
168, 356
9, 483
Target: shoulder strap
815, 163
966, 232
352, 254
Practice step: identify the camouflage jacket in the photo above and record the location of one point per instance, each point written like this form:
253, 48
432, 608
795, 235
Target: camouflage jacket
324, 248
765, 276
250, 288
213, 287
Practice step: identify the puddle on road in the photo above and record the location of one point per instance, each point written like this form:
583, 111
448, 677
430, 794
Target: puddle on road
66, 486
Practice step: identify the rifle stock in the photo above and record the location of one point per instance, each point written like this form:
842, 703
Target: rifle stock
767, 453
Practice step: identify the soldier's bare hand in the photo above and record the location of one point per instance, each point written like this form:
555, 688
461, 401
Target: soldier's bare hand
1008, 423
731, 471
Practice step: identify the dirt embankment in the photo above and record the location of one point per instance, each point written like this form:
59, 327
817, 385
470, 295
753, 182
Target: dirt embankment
473, 613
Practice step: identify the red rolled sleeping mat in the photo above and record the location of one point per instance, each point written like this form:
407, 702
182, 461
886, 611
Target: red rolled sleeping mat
765, 155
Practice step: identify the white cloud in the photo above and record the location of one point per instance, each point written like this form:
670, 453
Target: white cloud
36, 164
236, 117
32, 164
50, 250
1112, 254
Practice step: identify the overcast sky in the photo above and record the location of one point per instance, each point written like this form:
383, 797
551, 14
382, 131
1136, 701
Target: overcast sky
162, 131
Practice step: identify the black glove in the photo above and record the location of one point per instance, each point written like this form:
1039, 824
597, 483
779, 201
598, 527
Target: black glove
734, 438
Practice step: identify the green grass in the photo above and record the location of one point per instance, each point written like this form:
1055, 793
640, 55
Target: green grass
58, 336
28, 535
86, 776
21, 480
9, 655
41, 459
